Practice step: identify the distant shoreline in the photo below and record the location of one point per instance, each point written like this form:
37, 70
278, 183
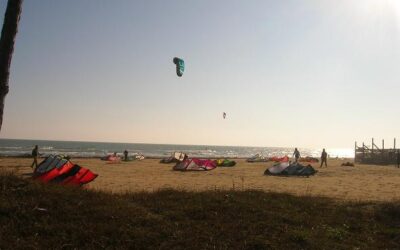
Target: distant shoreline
23, 148
143, 143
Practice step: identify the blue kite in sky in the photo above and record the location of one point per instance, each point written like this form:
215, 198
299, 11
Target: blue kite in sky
180, 66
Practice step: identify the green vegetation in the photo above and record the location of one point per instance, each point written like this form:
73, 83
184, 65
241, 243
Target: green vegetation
33, 215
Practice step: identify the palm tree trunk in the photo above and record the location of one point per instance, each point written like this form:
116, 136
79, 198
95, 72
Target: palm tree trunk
7, 40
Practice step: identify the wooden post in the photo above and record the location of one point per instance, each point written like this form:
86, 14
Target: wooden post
363, 152
355, 150
372, 148
394, 151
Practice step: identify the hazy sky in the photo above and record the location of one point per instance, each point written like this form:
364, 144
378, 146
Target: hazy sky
287, 73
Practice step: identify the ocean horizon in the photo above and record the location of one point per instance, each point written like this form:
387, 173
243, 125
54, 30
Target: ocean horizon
22, 147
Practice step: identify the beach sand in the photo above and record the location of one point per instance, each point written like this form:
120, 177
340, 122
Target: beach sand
359, 183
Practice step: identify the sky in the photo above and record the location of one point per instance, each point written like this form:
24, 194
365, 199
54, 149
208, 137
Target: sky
310, 73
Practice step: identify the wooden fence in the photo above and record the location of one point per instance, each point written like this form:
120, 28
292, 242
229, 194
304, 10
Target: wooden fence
374, 154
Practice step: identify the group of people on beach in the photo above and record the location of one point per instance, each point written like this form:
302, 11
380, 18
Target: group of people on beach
296, 155
324, 157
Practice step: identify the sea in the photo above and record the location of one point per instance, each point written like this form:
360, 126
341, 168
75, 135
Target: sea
16, 147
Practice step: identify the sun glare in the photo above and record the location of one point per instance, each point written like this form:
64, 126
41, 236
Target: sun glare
387, 6
395, 4
391, 9
380, 13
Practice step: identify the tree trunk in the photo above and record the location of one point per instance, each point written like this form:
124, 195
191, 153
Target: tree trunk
7, 40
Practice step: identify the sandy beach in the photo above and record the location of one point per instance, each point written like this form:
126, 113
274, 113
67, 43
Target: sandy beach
359, 183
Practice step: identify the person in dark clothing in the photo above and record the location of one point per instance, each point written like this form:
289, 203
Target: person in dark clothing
296, 155
35, 154
125, 155
324, 157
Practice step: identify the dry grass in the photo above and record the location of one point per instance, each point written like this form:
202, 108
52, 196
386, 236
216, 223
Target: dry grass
36, 216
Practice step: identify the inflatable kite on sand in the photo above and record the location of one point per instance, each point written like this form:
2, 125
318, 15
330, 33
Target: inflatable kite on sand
290, 169
225, 163
195, 165
58, 169
174, 158
279, 159
257, 158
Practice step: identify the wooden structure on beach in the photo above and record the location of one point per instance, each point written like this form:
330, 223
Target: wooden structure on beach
375, 155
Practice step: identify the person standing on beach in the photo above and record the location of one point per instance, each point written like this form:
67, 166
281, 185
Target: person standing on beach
296, 155
35, 154
324, 157
126, 155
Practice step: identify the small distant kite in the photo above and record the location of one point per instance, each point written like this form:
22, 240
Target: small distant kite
180, 66
224, 115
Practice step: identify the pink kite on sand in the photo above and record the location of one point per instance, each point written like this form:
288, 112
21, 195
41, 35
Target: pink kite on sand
113, 159
195, 165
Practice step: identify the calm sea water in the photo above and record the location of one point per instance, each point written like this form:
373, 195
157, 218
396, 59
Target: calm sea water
11, 147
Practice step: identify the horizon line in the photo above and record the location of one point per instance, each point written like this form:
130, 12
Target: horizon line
55, 140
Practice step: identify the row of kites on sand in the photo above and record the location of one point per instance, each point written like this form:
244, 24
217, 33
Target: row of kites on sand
282, 166
59, 169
